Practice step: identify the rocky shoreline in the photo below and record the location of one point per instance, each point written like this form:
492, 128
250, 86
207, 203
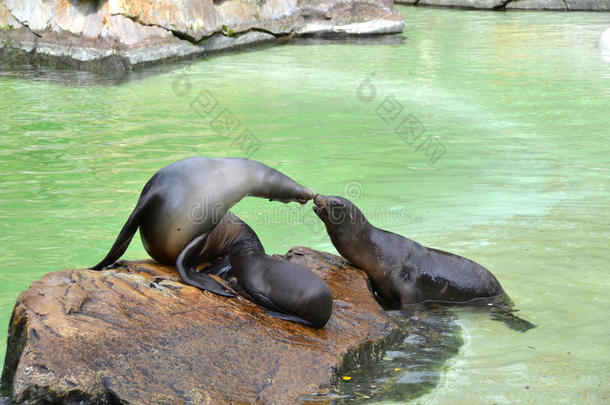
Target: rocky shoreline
116, 36
550, 5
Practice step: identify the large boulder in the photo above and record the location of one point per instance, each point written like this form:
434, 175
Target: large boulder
351, 17
537, 5
137, 334
569, 5
118, 35
130, 22
477, 4
588, 5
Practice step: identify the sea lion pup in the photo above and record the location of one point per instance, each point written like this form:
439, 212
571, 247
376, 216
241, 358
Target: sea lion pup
287, 290
403, 272
184, 201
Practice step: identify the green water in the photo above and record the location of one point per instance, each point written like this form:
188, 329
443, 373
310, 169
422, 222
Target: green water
520, 102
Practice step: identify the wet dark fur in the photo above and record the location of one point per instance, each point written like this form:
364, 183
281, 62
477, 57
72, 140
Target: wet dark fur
402, 271
183, 202
287, 290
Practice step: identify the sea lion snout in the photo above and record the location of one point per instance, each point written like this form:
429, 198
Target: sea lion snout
321, 200
309, 194
305, 195
320, 204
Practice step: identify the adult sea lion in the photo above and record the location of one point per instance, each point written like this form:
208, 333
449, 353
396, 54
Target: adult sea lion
184, 201
287, 290
402, 271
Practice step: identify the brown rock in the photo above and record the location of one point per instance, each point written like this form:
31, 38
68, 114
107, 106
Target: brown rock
137, 334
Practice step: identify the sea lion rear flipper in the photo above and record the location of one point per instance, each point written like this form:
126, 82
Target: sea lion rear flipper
129, 229
274, 311
508, 317
187, 267
290, 317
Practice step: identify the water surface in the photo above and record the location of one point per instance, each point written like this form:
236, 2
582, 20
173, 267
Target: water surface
519, 103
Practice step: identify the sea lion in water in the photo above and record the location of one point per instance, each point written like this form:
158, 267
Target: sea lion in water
402, 271
184, 201
289, 291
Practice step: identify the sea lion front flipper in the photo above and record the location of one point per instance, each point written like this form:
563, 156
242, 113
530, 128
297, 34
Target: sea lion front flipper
221, 267
129, 229
187, 267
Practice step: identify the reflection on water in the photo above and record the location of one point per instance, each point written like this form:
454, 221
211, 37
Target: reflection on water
408, 368
77, 78
519, 100
66, 77
351, 40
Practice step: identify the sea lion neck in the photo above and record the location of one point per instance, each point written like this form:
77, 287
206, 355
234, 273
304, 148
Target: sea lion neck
351, 240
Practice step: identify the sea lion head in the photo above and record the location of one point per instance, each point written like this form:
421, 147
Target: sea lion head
276, 186
338, 214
